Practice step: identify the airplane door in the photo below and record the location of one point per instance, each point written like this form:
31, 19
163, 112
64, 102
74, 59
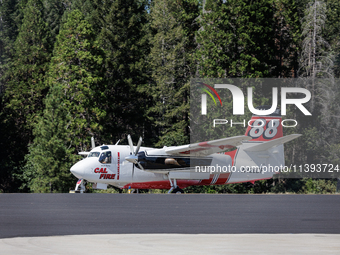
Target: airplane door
117, 166
109, 166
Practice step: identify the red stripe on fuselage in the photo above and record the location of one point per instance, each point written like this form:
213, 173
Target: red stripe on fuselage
206, 181
118, 165
160, 184
251, 180
222, 179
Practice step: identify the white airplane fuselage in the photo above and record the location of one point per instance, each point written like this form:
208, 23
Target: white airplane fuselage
124, 174
117, 173
257, 155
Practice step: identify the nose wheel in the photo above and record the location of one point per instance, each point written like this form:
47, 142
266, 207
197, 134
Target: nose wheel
80, 187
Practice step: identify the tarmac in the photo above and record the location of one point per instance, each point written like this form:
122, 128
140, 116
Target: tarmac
174, 244
169, 224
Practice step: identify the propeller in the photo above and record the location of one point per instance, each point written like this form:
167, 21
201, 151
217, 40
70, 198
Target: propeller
133, 158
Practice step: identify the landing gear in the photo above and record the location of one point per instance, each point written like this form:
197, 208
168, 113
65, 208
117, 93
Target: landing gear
80, 187
177, 191
174, 188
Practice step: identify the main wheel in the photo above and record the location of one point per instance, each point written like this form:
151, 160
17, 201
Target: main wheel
177, 191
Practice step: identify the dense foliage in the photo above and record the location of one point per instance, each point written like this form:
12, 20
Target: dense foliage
74, 69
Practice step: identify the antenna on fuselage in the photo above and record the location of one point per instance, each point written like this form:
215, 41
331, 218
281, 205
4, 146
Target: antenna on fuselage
117, 142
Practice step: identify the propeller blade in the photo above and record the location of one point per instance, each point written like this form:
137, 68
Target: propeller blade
130, 143
92, 142
140, 166
138, 145
133, 168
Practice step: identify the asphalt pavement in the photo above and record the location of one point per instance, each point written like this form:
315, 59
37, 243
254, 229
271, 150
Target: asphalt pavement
36, 215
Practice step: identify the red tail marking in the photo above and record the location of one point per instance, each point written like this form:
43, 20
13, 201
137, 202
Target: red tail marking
232, 155
263, 132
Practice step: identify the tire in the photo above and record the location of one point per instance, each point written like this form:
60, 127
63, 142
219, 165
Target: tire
177, 191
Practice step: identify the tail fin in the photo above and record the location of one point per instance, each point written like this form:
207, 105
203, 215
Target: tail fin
265, 128
262, 156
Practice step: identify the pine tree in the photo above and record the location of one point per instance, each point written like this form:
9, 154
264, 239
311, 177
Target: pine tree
8, 33
26, 85
75, 77
287, 38
54, 11
172, 45
316, 61
316, 74
331, 32
49, 159
25, 58
123, 37
78, 65
236, 39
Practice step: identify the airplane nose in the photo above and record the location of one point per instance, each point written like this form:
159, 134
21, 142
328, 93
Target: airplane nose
77, 171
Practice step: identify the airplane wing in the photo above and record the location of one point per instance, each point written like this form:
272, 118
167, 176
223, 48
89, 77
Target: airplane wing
267, 145
206, 148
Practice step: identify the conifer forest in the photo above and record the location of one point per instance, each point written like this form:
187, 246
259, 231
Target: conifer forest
75, 69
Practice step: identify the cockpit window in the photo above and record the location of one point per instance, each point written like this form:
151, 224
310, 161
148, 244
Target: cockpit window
105, 157
94, 154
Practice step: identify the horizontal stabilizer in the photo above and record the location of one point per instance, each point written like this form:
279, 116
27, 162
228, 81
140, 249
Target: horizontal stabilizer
267, 145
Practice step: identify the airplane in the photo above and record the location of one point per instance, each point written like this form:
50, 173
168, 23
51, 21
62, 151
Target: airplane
258, 155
